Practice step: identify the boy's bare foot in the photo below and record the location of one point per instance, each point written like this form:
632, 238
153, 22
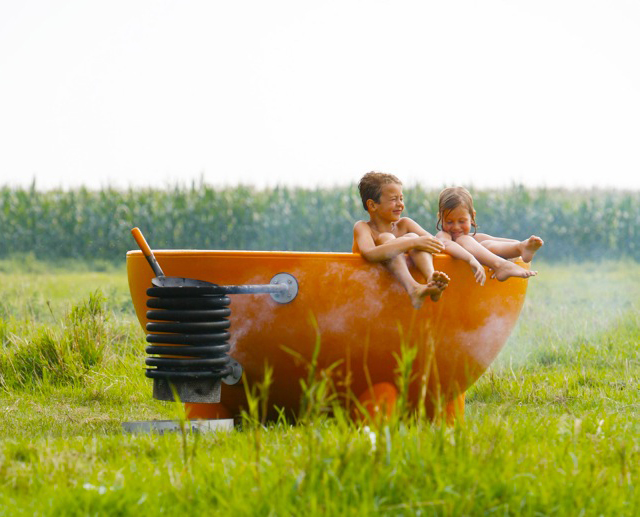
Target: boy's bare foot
433, 289
419, 293
530, 246
509, 269
441, 281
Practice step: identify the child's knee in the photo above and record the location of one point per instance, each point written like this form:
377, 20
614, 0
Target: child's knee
409, 235
384, 237
465, 240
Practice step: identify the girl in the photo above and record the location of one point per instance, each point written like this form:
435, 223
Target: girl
456, 217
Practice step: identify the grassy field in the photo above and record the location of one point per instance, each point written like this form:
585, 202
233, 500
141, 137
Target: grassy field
552, 429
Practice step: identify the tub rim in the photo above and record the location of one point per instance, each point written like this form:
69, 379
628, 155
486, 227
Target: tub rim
264, 253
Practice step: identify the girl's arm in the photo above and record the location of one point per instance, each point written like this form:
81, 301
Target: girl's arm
456, 251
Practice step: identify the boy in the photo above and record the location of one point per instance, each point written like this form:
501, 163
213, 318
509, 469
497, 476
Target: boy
387, 236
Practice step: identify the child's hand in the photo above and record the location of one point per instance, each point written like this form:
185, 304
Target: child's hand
478, 271
429, 244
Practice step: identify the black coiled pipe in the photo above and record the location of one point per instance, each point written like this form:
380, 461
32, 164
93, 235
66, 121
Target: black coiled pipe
189, 328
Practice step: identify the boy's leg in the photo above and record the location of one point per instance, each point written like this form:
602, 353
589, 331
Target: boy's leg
423, 261
502, 269
398, 267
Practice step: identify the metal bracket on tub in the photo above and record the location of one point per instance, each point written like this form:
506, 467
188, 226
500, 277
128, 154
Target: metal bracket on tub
283, 288
291, 291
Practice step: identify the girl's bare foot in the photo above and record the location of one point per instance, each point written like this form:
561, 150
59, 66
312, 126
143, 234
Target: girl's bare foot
509, 269
530, 246
441, 281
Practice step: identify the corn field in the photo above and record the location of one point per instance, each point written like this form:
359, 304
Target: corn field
89, 224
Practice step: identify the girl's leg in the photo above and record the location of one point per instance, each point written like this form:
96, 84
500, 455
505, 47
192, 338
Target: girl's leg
510, 248
504, 249
502, 269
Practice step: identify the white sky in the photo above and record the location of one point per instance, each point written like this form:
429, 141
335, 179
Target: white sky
264, 92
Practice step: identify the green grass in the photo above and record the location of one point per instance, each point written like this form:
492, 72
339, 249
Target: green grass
552, 429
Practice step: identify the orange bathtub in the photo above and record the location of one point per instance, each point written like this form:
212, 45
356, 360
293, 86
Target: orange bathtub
362, 316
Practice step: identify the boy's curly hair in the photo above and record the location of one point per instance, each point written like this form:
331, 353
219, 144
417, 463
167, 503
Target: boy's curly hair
370, 186
450, 199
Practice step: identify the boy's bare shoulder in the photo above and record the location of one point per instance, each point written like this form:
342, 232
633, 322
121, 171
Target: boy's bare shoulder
406, 221
406, 224
361, 226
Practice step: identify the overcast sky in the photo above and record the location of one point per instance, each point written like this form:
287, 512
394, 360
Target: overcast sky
481, 93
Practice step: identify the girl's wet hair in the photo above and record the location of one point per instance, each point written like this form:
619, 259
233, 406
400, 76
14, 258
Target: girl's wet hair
450, 199
370, 186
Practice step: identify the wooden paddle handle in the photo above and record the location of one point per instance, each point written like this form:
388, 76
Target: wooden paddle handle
146, 250
141, 241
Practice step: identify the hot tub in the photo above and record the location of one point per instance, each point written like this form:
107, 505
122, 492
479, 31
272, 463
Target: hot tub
362, 317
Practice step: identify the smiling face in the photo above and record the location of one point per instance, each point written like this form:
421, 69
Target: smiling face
457, 222
391, 203
456, 214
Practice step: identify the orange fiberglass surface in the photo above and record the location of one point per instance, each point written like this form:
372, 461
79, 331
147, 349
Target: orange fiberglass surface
361, 315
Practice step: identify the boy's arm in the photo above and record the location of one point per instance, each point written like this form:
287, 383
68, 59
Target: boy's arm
413, 227
456, 251
383, 252
427, 241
